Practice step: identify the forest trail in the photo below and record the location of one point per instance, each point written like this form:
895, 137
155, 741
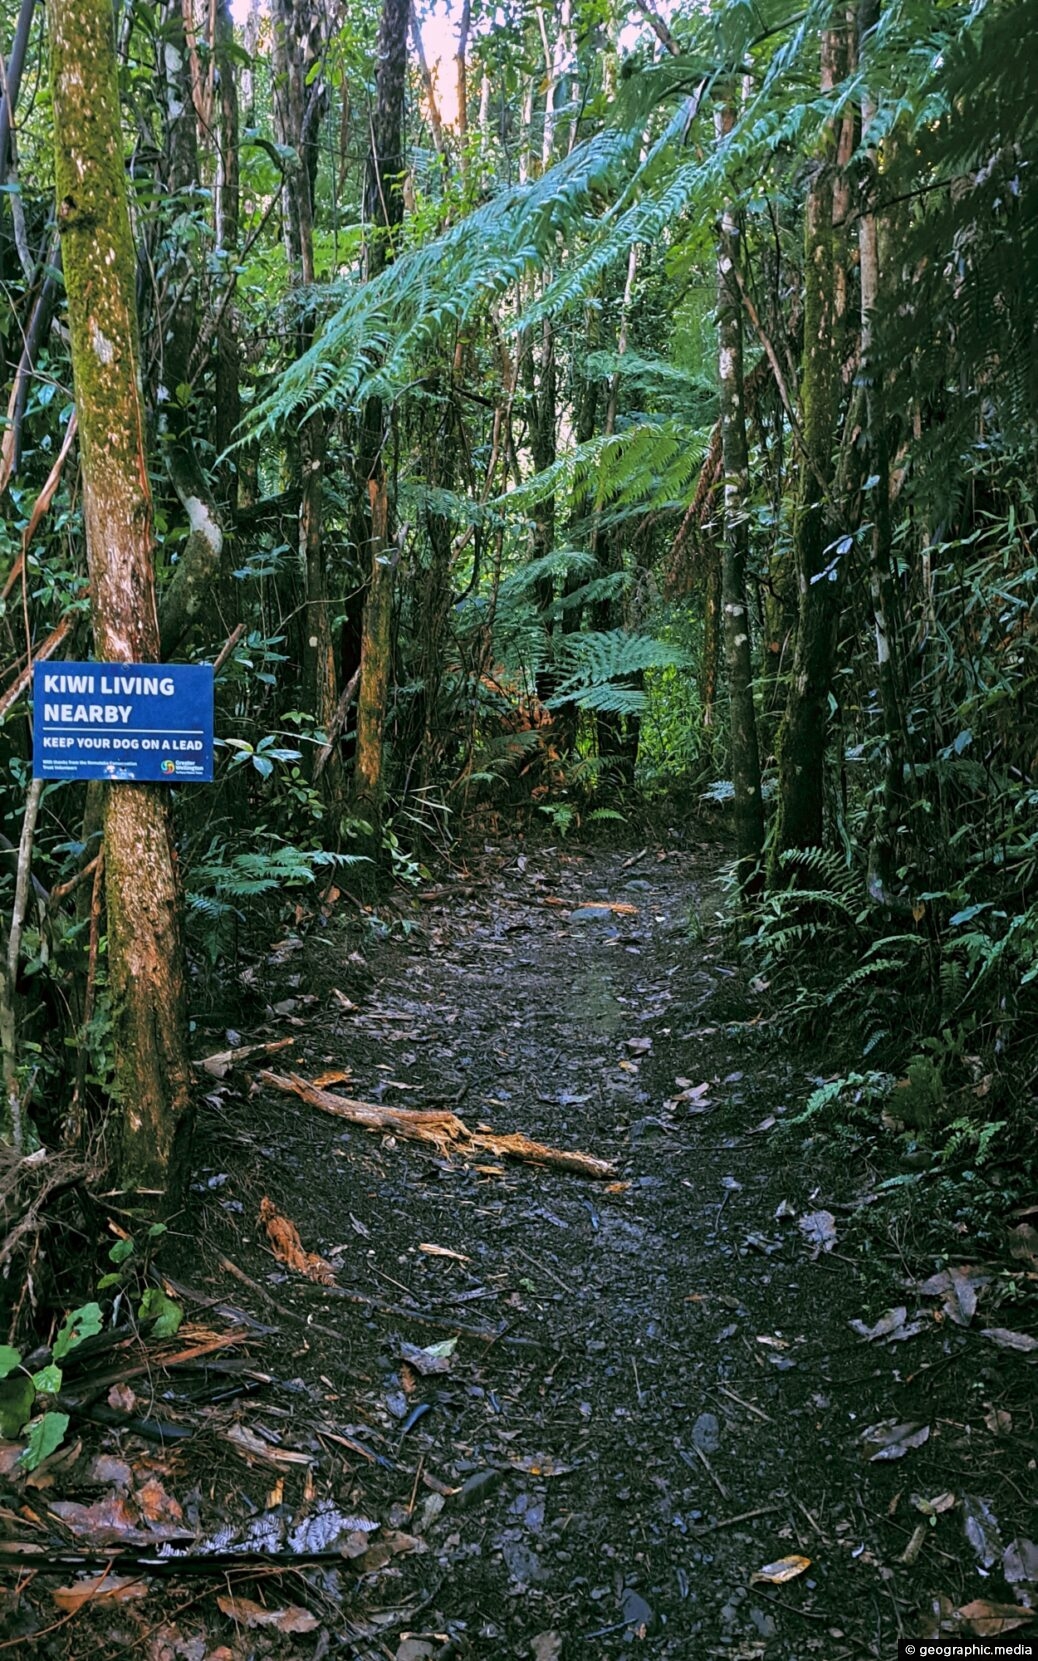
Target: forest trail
675, 1355
654, 1393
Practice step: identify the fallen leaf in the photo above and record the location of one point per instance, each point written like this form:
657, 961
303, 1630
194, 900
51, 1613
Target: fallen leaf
443, 1251
1020, 1563
960, 1300
893, 1440
981, 1526
389, 1545
765, 1124
155, 1505
998, 1421
111, 1521
958, 1287
1006, 1340
776, 1574
288, 1248
122, 1398
1023, 1244
10, 1456
819, 1230
98, 1588
435, 1358
639, 1046
247, 1613
692, 1092
891, 1325
935, 1507
987, 1620
246, 1440
107, 1469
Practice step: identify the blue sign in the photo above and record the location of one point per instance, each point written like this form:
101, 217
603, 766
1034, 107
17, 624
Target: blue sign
146, 722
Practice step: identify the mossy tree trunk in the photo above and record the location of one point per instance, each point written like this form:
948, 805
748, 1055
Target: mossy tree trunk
384, 211
802, 737
745, 752
145, 949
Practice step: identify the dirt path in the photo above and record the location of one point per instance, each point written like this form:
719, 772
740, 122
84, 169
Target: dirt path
655, 1391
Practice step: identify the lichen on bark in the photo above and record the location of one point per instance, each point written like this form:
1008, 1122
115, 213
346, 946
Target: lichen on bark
145, 953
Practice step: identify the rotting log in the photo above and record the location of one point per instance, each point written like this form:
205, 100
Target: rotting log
443, 1129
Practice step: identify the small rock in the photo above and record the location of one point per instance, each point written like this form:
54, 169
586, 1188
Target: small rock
522, 1564
762, 1621
706, 1433
636, 1612
477, 1487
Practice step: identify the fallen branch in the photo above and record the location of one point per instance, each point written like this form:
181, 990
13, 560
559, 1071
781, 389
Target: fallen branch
443, 1129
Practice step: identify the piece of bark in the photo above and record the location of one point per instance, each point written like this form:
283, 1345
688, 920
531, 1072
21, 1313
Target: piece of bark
288, 1248
443, 1129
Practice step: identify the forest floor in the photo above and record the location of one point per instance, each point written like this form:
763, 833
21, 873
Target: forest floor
648, 1407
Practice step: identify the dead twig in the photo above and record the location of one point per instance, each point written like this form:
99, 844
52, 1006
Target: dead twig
444, 1130
709, 1469
743, 1517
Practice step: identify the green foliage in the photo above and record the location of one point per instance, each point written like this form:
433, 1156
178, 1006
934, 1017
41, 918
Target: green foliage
46, 1435
81, 1323
165, 1315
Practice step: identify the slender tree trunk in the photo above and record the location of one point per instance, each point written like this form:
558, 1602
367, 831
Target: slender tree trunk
882, 852
227, 226
384, 208
802, 738
615, 749
145, 949
199, 562
432, 106
299, 102
745, 753
461, 73
710, 673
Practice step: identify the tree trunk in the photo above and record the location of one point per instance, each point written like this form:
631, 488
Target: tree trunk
384, 210
199, 562
299, 102
227, 226
745, 754
882, 853
145, 950
801, 742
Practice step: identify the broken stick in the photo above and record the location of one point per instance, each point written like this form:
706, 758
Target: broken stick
443, 1129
